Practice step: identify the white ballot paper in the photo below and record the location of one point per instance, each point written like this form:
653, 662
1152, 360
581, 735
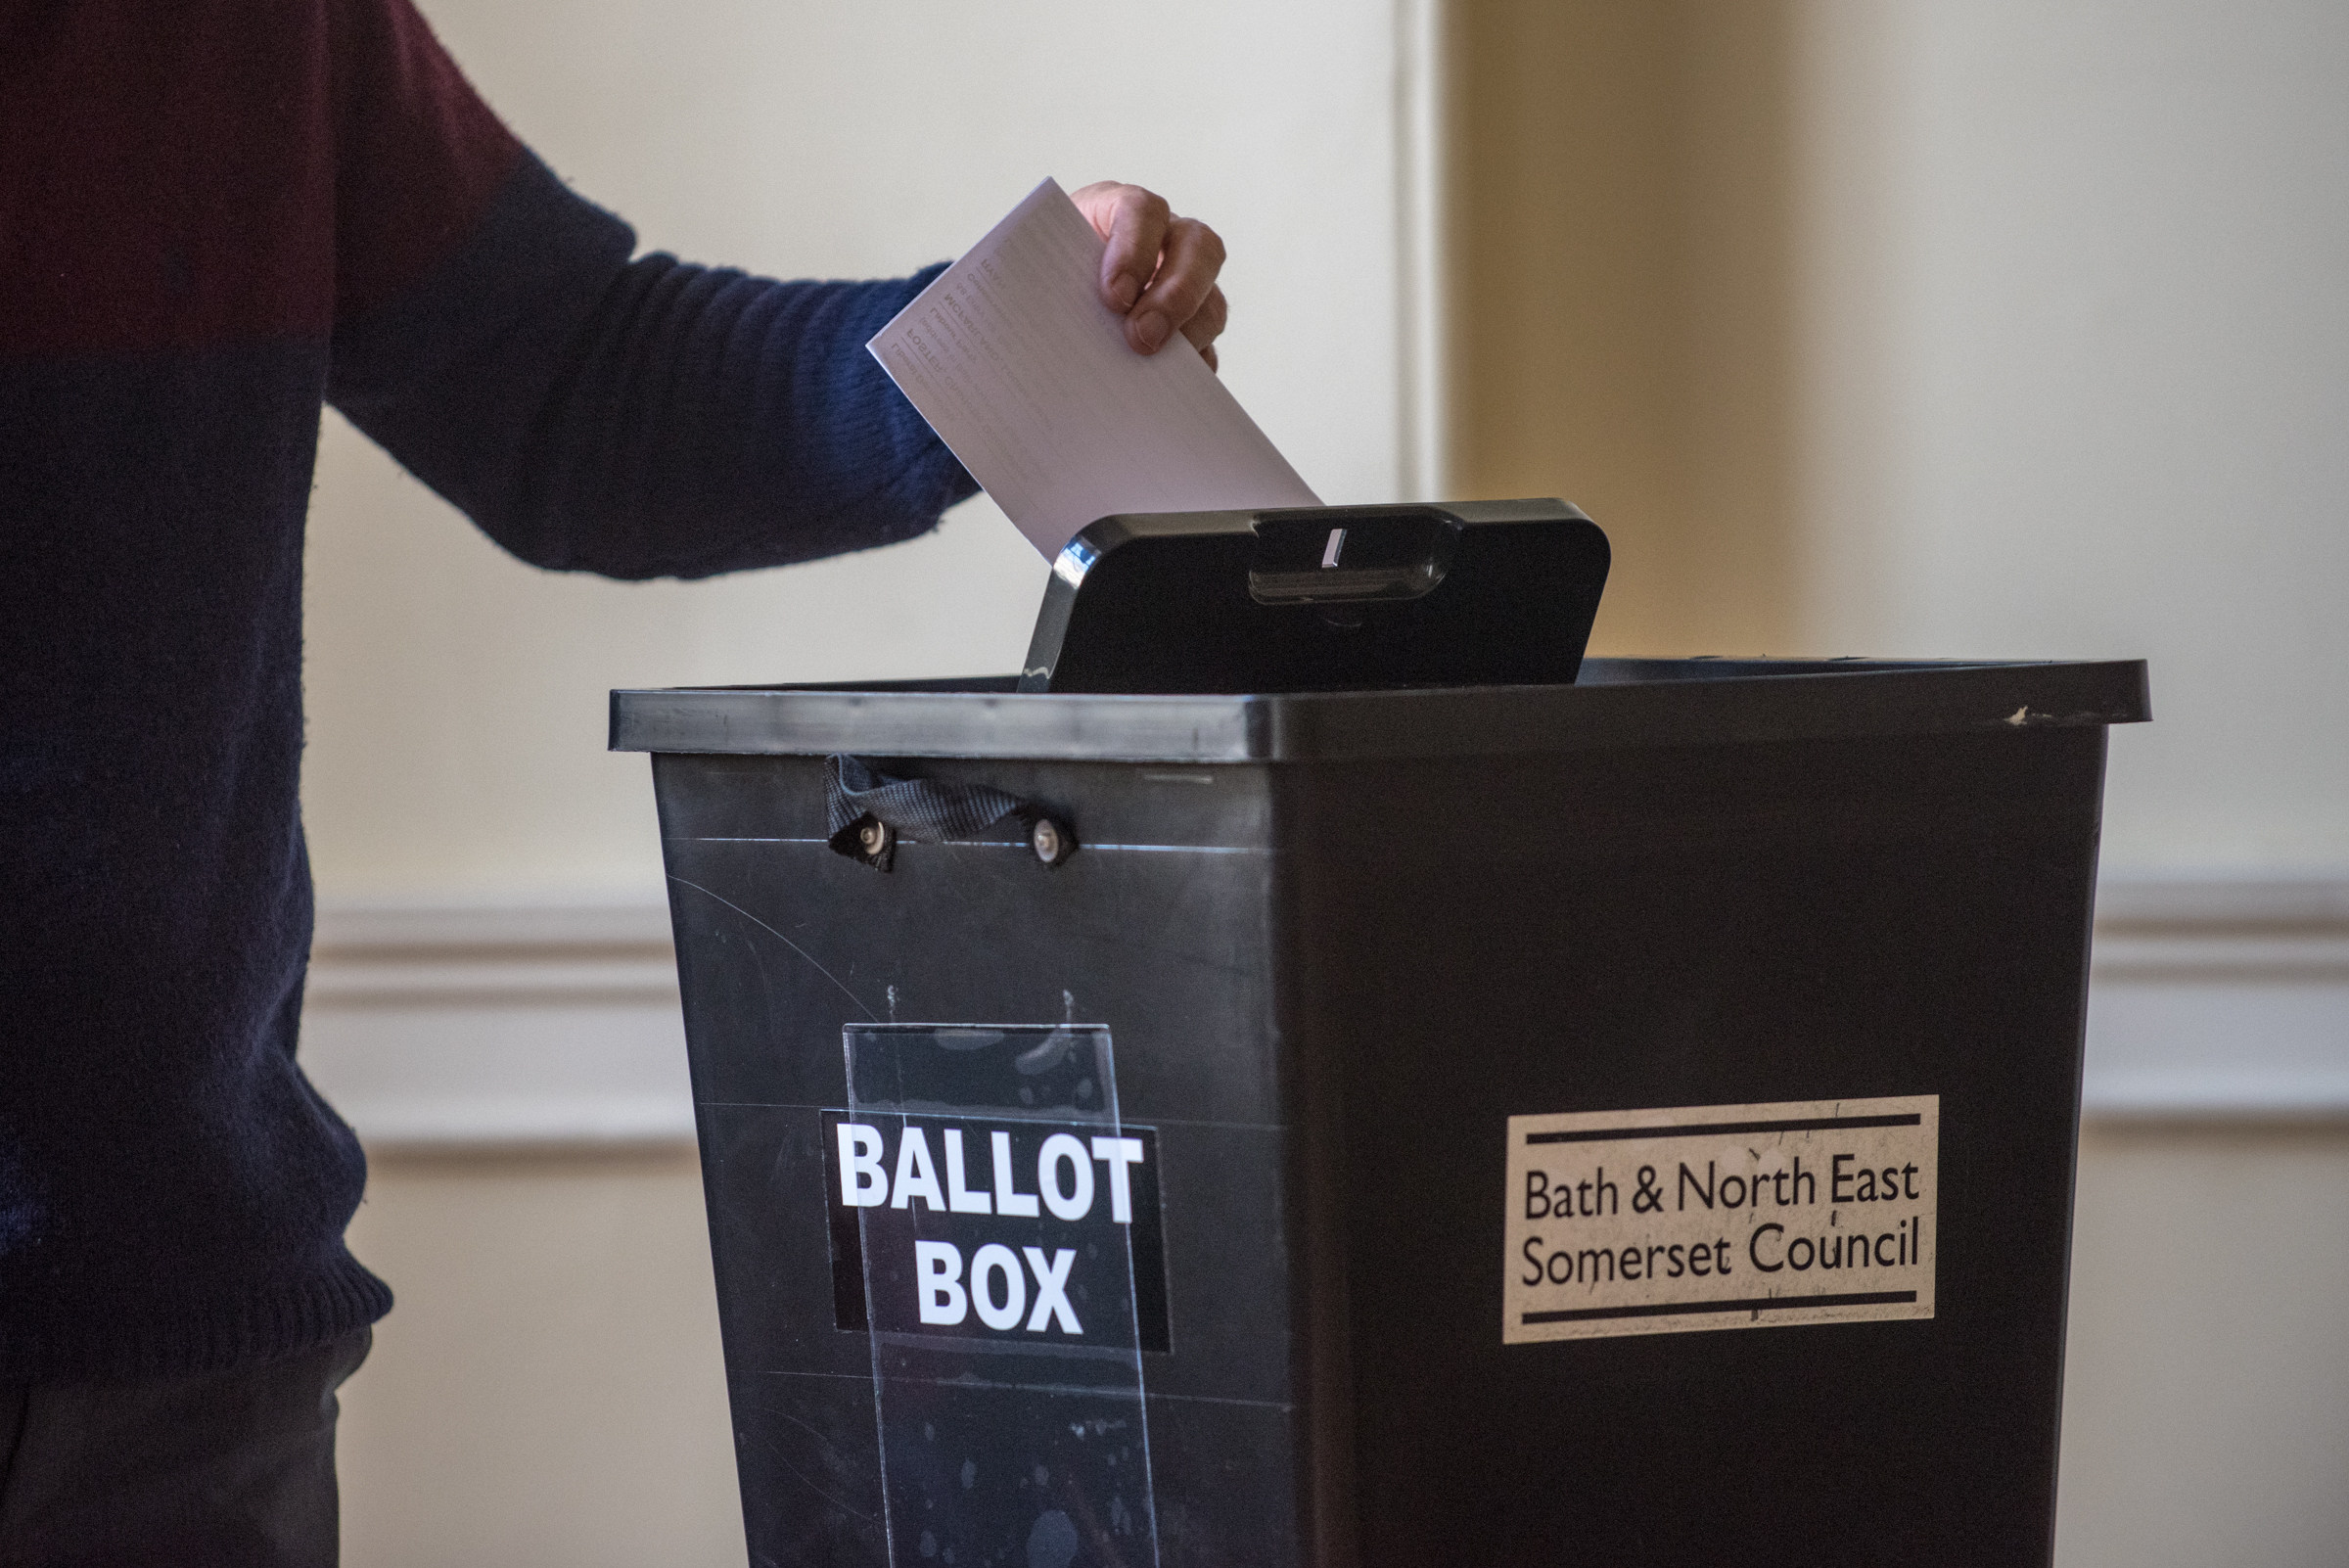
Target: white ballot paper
1025, 374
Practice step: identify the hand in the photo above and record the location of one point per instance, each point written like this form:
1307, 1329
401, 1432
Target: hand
1160, 270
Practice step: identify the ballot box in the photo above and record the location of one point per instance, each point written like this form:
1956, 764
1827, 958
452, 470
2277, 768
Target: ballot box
1314, 1071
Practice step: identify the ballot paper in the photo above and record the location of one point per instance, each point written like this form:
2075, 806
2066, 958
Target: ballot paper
1026, 375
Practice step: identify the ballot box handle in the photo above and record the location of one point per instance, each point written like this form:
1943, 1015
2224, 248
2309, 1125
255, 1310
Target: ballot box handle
867, 812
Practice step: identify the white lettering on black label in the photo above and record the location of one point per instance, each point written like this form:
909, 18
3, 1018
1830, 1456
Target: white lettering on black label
983, 1273
1659, 1222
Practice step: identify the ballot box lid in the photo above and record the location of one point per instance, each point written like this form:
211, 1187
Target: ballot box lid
1323, 598
1614, 702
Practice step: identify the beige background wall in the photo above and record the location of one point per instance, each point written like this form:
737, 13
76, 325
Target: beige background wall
2206, 1389
1932, 327
1945, 329
2077, 373
1622, 294
549, 1389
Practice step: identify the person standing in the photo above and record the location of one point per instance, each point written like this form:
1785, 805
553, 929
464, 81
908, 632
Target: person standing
216, 215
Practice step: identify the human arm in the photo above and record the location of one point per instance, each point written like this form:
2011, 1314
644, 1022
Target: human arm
646, 417
641, 418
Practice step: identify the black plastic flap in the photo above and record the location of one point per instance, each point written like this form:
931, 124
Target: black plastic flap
1485, 593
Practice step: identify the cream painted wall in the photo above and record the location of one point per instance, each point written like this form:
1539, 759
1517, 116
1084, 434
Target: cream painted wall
2076, 377
2206, 1387
1621, 238
549, 1392
1963, 328
457, 697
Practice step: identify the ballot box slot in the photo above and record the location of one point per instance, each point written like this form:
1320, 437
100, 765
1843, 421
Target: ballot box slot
1328, 555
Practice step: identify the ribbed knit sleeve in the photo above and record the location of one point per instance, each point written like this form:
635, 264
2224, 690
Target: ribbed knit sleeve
645, 417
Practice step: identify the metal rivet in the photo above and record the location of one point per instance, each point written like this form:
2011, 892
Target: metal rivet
1047, 841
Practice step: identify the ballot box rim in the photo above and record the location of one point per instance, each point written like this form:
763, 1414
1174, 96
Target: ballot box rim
1617, 703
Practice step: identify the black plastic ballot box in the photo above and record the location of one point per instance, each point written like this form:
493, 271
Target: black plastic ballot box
1390, 1101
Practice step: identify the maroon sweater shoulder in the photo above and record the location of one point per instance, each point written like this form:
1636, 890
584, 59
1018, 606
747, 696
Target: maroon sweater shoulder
186, 175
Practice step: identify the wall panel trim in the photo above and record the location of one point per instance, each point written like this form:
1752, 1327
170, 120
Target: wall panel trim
554, 1023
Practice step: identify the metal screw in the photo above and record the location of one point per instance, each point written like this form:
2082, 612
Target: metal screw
1050, 844
873, 837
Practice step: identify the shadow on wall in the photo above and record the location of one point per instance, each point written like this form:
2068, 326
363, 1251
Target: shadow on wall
1620, 234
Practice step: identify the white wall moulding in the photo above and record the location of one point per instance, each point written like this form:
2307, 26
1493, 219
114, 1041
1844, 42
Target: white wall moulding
2220, 997
361, 930
550, 1024
555, 1023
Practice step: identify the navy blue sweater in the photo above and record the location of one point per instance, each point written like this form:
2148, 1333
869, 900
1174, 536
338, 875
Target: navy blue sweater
214, 214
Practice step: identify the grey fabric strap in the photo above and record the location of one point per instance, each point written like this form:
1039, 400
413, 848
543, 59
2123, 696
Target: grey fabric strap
921, 810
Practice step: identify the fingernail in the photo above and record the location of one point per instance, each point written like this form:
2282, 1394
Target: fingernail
1125, 292
1150, 330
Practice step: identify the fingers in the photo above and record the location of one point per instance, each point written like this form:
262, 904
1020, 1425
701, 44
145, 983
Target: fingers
1204, 328
1182, 292
1134, 222
1157, 270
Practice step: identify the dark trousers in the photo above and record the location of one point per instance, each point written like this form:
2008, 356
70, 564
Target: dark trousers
229, 1468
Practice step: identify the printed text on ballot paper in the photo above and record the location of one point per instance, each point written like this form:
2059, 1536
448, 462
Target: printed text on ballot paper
1670, 1221
1040, 1222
